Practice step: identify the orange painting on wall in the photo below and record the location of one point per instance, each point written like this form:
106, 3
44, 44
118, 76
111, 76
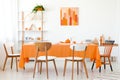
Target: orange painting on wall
69, 16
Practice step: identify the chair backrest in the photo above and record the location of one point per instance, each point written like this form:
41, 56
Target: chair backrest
8, 47
108, 50
43, 46
79, 47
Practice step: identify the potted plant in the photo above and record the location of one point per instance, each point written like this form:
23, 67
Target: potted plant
38, 8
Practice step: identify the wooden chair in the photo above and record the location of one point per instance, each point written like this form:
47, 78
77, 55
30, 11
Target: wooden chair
44, 47
82, 49
106, 54
8, 47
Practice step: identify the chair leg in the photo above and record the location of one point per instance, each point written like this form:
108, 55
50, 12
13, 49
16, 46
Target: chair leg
40, 67
110, 64
34, 69
104, 63
65, 67
24, 67
4, 64
72, 69
77, 67
85, 68
100, 69
11, 62
55, 67
81, 66
93, 65
47, 69
16, 65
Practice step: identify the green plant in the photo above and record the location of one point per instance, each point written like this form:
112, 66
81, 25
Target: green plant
38, 8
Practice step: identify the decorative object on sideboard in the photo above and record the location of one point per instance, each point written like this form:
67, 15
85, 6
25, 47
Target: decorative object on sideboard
88, 41
95, 41
67, 41
109, 41
102, 39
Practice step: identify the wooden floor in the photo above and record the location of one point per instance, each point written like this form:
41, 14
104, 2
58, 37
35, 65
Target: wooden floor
27, 74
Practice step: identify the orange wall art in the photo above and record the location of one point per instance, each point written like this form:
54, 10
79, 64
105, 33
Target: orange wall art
69, 16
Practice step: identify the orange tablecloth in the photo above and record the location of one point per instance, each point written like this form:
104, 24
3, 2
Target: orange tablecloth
59, 50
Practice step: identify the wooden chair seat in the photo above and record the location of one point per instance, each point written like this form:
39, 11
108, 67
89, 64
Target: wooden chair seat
14, 55
44, 58
75, 58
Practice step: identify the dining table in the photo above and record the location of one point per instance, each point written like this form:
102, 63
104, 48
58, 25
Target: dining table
59, 50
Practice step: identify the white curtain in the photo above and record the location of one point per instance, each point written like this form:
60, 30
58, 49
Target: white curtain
8, 20
8, 24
